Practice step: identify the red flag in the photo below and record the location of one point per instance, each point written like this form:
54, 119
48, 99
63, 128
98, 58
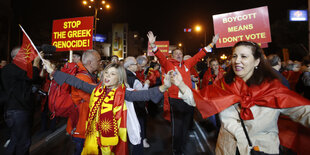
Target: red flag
25, 55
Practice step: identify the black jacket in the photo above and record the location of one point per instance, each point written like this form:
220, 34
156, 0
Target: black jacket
139, 106
18, 87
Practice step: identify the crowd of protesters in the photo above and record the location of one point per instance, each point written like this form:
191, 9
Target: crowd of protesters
242, 98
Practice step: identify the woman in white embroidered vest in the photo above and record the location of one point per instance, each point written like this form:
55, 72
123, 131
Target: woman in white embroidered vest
108, 122
249, 99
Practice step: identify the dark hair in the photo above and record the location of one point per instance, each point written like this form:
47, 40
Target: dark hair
274, 59
263, 72
212, 59
114, 56
153, 64
176, 49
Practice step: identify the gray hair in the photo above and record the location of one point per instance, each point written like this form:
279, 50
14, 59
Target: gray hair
140, 59
14, 52
274, 59
129, 61
88, 56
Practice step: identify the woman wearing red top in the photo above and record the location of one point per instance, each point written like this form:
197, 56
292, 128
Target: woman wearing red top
249, 90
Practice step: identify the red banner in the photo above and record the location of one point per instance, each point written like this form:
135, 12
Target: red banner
73, 34
163, 46
251, 24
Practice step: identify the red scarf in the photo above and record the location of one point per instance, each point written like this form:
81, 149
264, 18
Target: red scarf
106, 131
209, 77
220, 95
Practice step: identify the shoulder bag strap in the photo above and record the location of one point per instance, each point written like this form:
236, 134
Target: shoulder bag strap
243, 126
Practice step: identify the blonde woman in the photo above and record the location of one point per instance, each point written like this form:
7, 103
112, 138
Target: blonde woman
106, 127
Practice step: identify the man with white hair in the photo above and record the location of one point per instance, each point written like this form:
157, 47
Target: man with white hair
19, 106
91, 61
130, 64
142, 65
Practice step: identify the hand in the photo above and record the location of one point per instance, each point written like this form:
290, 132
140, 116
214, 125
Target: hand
152, 38
177, 78
216, 72
37, 59
215, 39
48, 66
167, 82
147, 82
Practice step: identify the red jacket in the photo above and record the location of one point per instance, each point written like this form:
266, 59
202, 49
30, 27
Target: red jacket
152, 76
81, 100
209, 77
184, 68
292, 77
140, 75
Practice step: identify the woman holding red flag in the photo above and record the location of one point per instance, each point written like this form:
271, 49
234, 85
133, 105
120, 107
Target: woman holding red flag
249, 99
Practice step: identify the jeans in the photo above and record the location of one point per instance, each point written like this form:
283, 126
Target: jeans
19, 123
181, 122
79, 144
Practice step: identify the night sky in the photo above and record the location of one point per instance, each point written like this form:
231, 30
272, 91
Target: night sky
166, 18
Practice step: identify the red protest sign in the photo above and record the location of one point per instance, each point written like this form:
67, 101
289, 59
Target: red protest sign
163, 46
73, 34
251, 24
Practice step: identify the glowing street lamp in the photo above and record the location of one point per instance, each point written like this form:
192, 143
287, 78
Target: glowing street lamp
223, 57
198, 28
96, 4
180, 44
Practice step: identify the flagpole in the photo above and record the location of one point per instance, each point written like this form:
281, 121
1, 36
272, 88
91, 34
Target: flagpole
31, 42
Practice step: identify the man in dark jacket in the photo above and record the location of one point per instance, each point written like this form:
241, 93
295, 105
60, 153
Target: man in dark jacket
130, 64
20, 104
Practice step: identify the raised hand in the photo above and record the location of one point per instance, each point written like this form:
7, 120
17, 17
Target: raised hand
177, 78
147, 82
48, 66
167, 80
151, 38
215, 38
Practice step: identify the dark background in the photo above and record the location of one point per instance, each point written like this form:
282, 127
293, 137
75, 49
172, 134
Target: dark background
166, 18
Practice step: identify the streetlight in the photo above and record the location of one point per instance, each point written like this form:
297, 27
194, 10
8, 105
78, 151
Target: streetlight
180, 44
223, 57
198, 28
96, 4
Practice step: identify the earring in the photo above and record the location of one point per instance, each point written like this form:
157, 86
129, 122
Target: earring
255, 67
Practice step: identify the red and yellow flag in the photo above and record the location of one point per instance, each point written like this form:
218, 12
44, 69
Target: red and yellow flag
25, 55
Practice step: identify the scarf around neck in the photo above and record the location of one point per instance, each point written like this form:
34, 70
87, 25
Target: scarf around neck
220, 95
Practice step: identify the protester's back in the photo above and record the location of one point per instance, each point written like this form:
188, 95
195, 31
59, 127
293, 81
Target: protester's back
60, 101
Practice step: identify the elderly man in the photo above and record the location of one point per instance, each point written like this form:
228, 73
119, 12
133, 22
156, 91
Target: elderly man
91, 61
142, 64
19, 106
130, 64
114, 59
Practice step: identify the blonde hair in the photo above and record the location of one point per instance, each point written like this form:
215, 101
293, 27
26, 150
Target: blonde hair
122, 79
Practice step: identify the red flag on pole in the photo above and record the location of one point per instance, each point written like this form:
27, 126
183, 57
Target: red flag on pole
26, 54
